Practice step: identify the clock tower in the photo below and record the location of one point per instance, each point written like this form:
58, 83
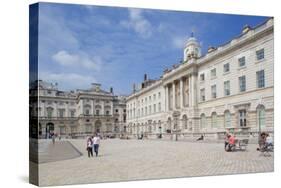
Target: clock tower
192, 49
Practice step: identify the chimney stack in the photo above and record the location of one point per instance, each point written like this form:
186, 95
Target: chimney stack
211, 48
246, 28
145, 77
134, 88
111, 90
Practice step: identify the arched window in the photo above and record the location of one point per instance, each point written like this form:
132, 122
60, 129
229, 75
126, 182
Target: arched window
227, 119
214, 120
203, 122
261, 116
184, 121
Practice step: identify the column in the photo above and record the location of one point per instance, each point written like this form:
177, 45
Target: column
166, 98
181, 93
174, 96
190, 90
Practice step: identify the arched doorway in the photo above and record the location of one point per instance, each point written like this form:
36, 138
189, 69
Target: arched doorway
50, 129
98, 126
184, 122
169, 125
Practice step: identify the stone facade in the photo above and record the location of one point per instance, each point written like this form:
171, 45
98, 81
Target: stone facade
229, 89
77, 113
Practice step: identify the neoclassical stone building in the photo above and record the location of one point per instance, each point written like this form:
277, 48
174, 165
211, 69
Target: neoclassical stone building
77, 113
230, 88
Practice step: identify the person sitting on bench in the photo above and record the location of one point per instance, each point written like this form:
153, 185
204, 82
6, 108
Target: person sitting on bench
231, 143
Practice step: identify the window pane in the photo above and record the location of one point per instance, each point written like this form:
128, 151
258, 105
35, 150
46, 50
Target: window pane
227, 88
242, 83
226, 67
242, 61
260, 79
260, 54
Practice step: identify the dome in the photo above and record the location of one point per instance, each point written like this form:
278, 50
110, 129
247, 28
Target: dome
191, 40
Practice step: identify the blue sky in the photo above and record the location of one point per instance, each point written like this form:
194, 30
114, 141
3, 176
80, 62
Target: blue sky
81, 44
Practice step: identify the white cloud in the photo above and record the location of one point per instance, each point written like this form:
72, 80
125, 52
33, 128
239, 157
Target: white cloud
179, 41
68, 80
138, 23
65, 58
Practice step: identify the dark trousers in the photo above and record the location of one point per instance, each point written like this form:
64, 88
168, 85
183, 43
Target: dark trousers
96, 149
225, 145
90, 151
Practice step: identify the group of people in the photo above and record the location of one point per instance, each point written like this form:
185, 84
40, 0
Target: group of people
229, 142
265, 141
93, 143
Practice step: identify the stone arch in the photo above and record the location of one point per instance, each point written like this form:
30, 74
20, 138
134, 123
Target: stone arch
214, 119
227, 118
169, 124
184, 121
98, 126
50, 129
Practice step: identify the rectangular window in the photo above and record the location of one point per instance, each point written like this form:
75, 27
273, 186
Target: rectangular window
202, 77
97, 112
202, 94
72, 113
260, 54
226, 88
159, 107
214, 91
226, 68
145, 110
242, 118
154, 97
213, 73
242, 61
149, 109
242, 83
49, 113
159, 95
154, 108
260, 79
61, 112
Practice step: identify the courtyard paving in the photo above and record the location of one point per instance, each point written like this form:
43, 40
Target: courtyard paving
122, 160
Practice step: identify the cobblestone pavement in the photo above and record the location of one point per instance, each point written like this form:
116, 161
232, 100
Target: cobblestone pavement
122, 160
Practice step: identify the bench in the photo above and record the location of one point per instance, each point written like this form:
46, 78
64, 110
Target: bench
242, 144
239, 145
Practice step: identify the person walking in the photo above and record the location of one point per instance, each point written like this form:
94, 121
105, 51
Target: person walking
89, 147
96, 143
